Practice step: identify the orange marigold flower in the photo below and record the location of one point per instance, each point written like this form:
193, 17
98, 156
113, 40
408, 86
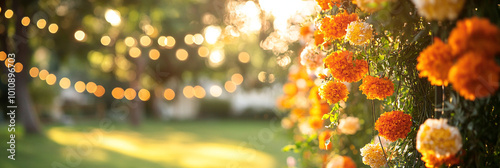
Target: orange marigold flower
475, 76
315, 122
341, 162
475, 34
377, 88
322, 137
333, 92
393, 125
435, 62
334, 27
431, 161
319, 39
305, 30
327, 4
290, 89
343, 68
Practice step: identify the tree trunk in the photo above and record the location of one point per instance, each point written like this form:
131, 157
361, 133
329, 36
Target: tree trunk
26, 110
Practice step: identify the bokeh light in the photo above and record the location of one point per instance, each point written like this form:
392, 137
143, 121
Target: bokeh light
134, 52
41, 23
3, 55
53, 28
216, 58
203, 51
244, 57
271, 78
215, 91
18, 67
199, 92
65, 83
34, 72
188, 91
51, 79
105, 40
145, 41
43, 74
129, 41
91, 87
212, 34
25, 21
117, 93
189, 39
262, 76
154, 54
144, 94
181, 54
169, 94
161, 41
230, 86
80, 86
99, 92
198, 39
80, 35
129, 94
170, 41
113, 17
9, 13
237, 78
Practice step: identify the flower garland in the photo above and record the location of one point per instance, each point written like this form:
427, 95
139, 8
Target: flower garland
377, 88
335, 27
393, 125
333, 92
343, 68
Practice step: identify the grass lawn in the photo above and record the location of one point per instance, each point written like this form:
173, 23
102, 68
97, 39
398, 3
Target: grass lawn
176, 144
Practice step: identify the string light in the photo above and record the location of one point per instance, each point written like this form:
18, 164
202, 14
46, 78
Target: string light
53, 28
41, 23
9, 13
65, 83
169, 94
25, 21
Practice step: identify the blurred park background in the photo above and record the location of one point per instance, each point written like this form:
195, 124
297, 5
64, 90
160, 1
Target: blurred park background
156, 83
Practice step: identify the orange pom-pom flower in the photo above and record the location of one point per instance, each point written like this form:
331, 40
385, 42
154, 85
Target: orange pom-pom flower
344, 68
393, 125
333, 92
377, 88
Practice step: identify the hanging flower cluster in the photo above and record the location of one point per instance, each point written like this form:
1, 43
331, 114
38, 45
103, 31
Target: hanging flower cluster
373, 155
333, 92
349, 125
437, 140
343, 68
439, 10
467, 61
335, 27
322, 138
435, 62
311, 58
371, 5
393, 125
377, 88
327, 4
359, 33
341, 162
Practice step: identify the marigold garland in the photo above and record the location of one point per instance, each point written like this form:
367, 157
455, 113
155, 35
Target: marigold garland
335, 27
373, 155
439, 10
377, 88
327, 4
333, 92
475, 76
341, 162
475, 34
435, 62
343, 68
393, 125
349, 125
322, 138
359, 33
436, 137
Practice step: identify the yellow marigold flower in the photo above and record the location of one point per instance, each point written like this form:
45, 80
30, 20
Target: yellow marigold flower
322, 137
377, 88
334, 27
439, 9
436, 137
333, 92
435, 62
431, 161
341, 162
371, 5
327, 4
475, 34
359, 33
373, 155
343, 68
475, 76
393, 125
349, 125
